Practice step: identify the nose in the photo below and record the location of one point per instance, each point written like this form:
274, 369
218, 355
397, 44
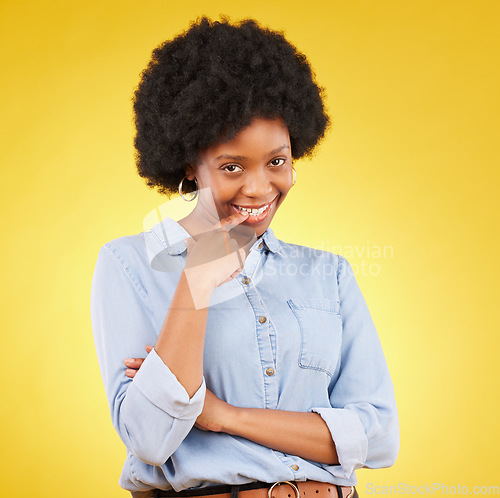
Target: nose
257, 184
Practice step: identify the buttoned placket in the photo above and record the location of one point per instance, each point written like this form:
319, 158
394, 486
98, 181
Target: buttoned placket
264, 329
266, 341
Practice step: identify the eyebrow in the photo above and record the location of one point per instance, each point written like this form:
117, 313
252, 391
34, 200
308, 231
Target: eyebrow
241, 158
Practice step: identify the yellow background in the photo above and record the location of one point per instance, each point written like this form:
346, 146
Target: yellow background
411, 163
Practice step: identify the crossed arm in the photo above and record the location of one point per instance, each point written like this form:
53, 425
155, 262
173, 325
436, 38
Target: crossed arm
296, 433
180, 345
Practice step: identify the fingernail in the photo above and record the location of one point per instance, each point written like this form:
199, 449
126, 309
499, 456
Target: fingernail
128, 360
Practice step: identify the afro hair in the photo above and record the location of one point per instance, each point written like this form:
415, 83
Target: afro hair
210, 82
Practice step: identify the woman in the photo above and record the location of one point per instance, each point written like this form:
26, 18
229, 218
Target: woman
266, 366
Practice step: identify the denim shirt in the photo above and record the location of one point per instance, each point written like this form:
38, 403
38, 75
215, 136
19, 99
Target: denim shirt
291, 332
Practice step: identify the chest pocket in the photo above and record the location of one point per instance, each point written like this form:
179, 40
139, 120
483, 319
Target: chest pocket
320, 332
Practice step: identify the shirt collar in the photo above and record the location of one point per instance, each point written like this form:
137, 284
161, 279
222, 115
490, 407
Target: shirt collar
272, 243
172, 235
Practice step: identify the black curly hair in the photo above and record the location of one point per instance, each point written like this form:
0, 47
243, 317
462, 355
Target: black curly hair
208, 83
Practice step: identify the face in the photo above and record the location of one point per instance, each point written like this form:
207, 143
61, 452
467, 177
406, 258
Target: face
253, 171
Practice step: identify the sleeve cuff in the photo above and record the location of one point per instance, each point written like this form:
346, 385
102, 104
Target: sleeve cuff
161, 387
349, 437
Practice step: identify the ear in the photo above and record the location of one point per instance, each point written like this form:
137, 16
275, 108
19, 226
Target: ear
189, 171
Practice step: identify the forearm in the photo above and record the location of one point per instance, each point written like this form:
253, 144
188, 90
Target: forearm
182, 337
296, 433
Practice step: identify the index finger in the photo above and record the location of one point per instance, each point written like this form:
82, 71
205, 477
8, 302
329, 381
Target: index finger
233, 220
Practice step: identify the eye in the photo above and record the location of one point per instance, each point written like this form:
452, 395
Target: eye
279, 161
231, 168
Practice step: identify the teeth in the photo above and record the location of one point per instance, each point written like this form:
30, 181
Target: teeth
254, 212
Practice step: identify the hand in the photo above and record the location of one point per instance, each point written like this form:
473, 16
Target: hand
215, 415
218, 255
133, 364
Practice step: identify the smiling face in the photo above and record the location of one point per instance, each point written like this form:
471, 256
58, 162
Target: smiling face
253, 171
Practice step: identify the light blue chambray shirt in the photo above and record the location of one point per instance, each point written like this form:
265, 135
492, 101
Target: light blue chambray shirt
297, 336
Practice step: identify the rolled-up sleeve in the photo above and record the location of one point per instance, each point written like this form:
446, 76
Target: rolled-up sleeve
152, 412
362, 418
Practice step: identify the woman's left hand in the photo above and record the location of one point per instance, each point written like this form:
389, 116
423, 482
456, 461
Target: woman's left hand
133, 364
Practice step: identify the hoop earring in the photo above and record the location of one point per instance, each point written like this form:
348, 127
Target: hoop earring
195, 193
294, 176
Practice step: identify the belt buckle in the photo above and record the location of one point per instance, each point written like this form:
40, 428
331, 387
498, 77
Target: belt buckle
351, 493
295, 488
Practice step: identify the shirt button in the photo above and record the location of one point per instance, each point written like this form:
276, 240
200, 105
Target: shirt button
246, 281
270, 372
262, 319
261, 245
295, 467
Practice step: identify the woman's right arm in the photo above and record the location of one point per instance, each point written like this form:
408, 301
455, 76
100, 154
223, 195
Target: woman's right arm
182, 338
155, 411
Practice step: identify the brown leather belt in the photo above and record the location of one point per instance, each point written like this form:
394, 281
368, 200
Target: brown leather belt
281, 489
